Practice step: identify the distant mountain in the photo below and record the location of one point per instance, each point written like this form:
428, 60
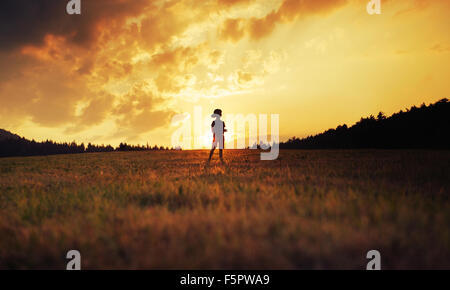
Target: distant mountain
423, 127
5, 135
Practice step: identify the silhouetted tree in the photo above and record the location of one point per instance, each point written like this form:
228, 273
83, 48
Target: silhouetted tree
13, 145
424, 127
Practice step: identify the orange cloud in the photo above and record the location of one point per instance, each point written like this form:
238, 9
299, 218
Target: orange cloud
233, 2
440, 48
414, 5
261, 27
71, 61
96, 111
128, 65
137, 113
173, 63
232, 29
244, 77
290, 10
119, 61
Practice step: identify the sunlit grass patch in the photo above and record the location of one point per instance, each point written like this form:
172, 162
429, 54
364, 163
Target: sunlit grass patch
309, 209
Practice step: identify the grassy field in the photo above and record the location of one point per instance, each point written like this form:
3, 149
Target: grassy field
166, 210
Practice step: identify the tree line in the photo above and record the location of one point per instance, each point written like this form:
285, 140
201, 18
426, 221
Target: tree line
416, 128
23, 147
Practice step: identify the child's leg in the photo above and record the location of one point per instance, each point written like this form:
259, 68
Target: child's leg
221, 146
211, 152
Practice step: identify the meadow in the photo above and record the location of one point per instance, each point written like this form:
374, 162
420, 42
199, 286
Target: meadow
322, 209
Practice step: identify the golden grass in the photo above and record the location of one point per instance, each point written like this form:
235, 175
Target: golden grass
166, 210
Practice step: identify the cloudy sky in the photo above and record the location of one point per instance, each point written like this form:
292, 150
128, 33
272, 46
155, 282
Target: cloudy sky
122, 69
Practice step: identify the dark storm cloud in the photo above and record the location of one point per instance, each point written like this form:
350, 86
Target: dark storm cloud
24, 22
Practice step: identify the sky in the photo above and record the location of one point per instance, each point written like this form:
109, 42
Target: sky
123, 70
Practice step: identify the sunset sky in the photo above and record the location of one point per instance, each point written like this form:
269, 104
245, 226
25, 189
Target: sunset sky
123, 69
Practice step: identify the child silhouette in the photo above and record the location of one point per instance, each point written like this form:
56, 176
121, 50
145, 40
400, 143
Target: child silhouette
218, 128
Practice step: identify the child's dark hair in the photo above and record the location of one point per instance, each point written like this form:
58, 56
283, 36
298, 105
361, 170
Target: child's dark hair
218, 112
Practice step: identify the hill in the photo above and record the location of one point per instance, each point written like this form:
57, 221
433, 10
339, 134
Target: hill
417, 127
6, 135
